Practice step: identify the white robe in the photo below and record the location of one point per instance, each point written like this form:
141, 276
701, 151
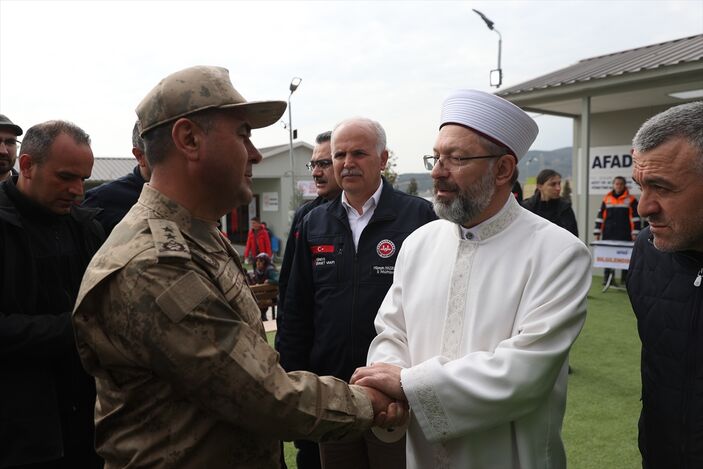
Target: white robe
483, 329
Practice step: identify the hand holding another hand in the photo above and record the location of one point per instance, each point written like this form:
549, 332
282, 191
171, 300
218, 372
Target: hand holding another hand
387, 412
381, 376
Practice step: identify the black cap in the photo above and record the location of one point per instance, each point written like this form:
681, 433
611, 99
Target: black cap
5, 122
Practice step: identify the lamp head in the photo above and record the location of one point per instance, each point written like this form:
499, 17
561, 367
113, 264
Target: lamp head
295, 83
488, 22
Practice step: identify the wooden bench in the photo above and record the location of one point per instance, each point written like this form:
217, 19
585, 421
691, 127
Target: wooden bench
266, 296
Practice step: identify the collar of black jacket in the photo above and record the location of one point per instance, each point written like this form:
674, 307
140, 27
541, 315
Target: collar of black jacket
14, 205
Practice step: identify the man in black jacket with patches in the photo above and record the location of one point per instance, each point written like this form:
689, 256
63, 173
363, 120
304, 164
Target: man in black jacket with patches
46, 242
665, 286
344, 260
308, 456
117, 197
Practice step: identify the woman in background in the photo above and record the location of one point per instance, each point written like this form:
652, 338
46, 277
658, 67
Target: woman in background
548, 203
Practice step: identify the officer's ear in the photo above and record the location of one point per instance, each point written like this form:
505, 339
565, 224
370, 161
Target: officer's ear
188, 138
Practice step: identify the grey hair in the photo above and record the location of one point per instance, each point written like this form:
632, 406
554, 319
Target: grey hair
323, 137
39, 138
683, 121
137, 141
373, 125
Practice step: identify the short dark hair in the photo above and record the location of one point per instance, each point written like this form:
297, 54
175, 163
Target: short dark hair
257, 219
621, 178
323, 137
39, 138
158, 141
137, 141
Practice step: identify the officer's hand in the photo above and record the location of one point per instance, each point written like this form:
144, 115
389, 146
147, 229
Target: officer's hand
387, 412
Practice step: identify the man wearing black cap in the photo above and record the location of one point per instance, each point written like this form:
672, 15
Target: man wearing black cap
485, 304
165, 320
9, 132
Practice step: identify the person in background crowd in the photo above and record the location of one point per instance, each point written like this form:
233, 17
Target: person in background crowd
517, 191
344, 262
548, 203
320, 165
9, 132
166, 322
485, 304
46, 242
665, 285
117, 197
264, 273
257, 241
617, 218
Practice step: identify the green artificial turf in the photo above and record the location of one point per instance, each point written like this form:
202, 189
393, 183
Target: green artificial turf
288, 447
600, 427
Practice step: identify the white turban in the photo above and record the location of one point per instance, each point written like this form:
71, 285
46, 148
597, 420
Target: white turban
493, 117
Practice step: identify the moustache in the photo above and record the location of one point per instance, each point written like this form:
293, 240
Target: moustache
351, 172
319, 179
440, 185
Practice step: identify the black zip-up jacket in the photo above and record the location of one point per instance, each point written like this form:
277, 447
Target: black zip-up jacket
334, 292
115, 198
666, 293
46, 398
558, 211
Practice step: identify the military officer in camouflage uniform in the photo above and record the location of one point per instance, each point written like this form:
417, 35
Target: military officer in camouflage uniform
166, 322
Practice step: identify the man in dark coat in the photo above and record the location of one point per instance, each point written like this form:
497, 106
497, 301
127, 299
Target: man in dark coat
9, 132
117, 197
46, 242
344, 261
665, 285
308, 456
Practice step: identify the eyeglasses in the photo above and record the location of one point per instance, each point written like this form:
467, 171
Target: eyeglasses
452, 163
9, 142
322, 164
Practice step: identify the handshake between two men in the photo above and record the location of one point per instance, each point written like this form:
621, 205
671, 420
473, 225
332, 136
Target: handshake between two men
381, 382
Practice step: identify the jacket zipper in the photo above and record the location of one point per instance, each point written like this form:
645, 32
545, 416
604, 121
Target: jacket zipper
355, 286
690, 368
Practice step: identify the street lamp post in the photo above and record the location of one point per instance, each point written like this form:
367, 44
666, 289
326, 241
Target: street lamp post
499, 70
294, 84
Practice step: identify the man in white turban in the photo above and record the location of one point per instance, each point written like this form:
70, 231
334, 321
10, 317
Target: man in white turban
485, 304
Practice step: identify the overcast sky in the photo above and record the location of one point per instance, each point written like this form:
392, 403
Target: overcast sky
393, 61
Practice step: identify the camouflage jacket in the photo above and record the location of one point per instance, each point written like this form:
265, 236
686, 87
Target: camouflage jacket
185, 378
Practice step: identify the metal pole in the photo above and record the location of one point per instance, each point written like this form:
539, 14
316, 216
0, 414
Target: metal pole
290, 149
500, 48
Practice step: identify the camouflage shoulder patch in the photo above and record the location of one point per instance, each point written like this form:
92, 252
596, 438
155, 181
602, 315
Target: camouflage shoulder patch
168, 240
183, 296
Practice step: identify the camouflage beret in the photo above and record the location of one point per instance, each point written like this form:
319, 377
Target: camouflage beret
6, 123
196, 89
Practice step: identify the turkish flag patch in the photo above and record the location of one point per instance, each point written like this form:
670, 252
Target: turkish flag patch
322, 248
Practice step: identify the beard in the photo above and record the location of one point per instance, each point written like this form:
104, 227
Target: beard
469, 204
